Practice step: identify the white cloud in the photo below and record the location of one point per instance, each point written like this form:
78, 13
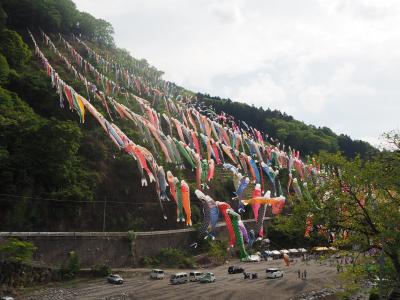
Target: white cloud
328, 62
313, 98
261, 90
226, 11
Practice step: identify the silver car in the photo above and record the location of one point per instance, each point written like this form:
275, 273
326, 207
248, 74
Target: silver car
115, 279
207, 278
274, 273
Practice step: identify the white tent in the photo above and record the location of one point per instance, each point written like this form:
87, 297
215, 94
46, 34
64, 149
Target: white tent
294, 252
275, 253
320, 249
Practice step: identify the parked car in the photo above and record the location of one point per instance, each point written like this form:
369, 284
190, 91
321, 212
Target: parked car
115, 279
157, 274
274, 273
250, 275
7, 298
235, 270
207, 278
195, 276
179, 278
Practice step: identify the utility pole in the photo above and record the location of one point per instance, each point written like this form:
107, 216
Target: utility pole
104, 213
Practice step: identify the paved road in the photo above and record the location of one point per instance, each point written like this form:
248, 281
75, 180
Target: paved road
138, 285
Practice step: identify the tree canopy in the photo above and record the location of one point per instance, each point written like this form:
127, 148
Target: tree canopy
306, 138
13, 48
359, 200
58, 16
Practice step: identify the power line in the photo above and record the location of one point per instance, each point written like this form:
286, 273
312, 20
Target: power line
79, 201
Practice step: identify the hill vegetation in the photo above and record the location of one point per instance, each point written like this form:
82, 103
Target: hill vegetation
284, 128
57, 174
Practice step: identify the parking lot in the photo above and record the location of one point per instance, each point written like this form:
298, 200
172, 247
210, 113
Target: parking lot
137, 284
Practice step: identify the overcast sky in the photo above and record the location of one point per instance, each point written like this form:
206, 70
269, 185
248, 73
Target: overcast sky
328, 63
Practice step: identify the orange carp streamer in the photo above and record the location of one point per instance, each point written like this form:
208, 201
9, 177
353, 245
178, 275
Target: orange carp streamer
186, 202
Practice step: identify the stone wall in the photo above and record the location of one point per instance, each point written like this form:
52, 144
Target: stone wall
14, 275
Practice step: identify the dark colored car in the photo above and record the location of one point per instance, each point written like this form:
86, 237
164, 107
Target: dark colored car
115, 279
235, 270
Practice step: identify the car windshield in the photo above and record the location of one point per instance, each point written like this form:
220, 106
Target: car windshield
271, 270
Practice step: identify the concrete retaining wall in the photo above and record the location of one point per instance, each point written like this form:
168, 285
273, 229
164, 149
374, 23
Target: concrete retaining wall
113, 248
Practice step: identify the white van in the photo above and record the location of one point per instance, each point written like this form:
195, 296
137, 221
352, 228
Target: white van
195, 276
157, 274
179, 278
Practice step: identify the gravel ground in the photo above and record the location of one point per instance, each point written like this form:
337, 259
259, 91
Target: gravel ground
137, 285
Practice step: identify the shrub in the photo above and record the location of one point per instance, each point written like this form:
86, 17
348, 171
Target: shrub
4, 69
101, 270
71, 267
17, 251
150, 261
373, 296
131, 235
217, 251
170, 258
14, 48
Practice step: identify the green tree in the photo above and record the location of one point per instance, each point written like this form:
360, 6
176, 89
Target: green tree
366, 195
39, 157
68, 14
306, 138
96, 29
17, 251
361, 198
3, 17
13, 48
4, 70
49, 15
71, 266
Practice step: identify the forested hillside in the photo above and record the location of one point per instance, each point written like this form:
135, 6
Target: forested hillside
308, 139
58, 174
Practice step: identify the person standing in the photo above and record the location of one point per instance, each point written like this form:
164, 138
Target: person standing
299, 273
305, 274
